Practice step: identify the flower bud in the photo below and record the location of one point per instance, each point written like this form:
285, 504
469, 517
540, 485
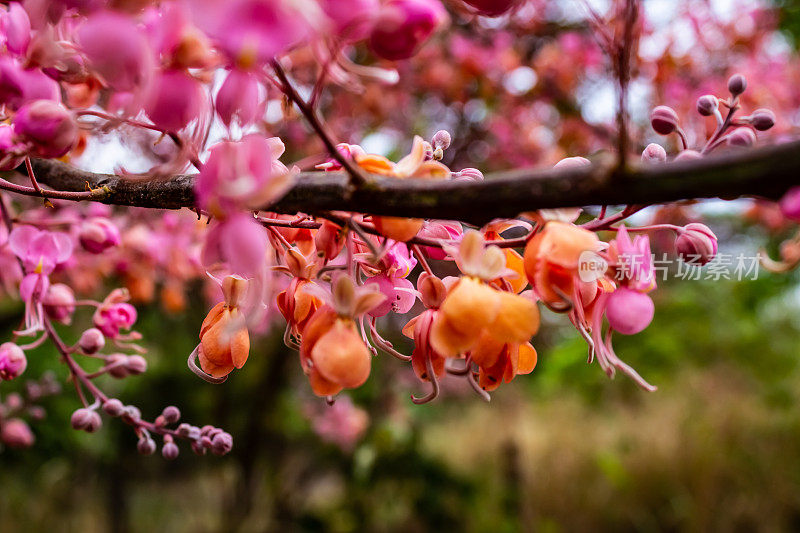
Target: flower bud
432, 290
118, 365
664, 120
762, 119
131, 414
790, 204
171, 414
491, 8
654, 153
113, 407
221, 444
91, 341
629, 311
81, 418
17, 28
468, 174
573, 162
402, 26
48, 127
707, 104
36, 412
696, 244
146, 446
170, 451
737, 84
15, 433
136, 364
98, 234
441, 140
688, 155
12, 361
59, 303
238, 98
174, 100
198, 447
742, 137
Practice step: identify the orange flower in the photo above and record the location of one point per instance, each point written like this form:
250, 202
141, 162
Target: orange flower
296, 304
332, 353
501, 362
224, 340
552, 259
413, 165
473, 308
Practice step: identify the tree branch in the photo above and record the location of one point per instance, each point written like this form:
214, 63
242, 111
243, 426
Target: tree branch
765, 172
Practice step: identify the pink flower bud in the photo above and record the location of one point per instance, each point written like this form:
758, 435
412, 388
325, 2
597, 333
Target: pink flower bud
689, 155
572, 162
441, 140
92, 341
741, 137
654, 153
48, 127
170, 451
629, 311
468, 174
171, 414
706, 104
11, 152
16, 26
15, 433
491, 8
12, 361
762, 119
403, 26
136, 364
221, 444
146, 446
664, 120
239, 98
352, 19
737, 84
696, 244
790, 204
175, 100
110, 318
118, 365
98, 234
81, 418
113, 407
59, 303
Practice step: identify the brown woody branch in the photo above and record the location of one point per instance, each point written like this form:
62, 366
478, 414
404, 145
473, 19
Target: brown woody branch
763, 172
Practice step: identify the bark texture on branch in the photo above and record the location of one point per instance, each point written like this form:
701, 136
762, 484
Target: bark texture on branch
766, 172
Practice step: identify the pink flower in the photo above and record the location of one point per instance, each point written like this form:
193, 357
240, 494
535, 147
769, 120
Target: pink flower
790, 204
400, 294
16, 27
491, 8
113, 316
403, 26
48, 127
448, 231
12, 361
174, 100
11, 151
40, 251
629, 311
98, 234
239, 98
634, 261
117, 50
59, 303
349, 151
250, 31
15, 433
243, 174
696, 244
352, 19
239, 242
342, 423
18, 85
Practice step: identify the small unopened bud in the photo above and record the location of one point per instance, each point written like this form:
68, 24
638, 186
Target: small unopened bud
14, 401
689, 155
468, 174
118, 365
664, 120
146, 446
790, 204
707, 104
171, 414
742, 137
696, 244
113, 407
92, 341
441, 140
131, 414
80, 418
49, 128
654, 153
221, 444
15, 433
12, 361
59, 302
737, 84
98, 234
762, 119
198, 448
94, 423
170, 451
36, 412
136, 364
